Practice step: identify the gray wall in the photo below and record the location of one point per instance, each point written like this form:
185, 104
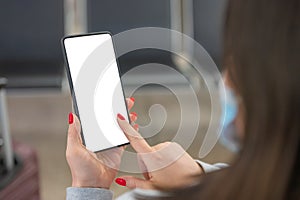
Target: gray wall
30, 33
120, 15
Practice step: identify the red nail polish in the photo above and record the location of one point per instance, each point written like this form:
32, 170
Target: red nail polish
120, 181
132, 99
71, 118
136, 126
134, 113
121, 117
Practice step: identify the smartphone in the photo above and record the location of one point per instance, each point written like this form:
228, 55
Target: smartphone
96, 89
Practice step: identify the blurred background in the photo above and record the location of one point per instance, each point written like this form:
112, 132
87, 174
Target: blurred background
37, 92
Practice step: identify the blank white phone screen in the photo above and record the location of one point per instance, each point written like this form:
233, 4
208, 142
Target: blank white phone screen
98, 89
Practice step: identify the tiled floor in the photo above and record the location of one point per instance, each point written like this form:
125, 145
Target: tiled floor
40, 119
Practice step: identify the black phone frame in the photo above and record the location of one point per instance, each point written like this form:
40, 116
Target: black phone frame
73, 95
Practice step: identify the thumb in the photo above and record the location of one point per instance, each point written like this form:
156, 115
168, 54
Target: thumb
73, 131
77, 127
132, 182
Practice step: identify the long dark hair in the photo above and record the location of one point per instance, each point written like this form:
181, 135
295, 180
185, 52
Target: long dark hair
262, 45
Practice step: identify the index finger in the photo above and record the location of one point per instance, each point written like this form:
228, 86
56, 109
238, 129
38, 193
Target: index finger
130, 102
74, 137
136, 140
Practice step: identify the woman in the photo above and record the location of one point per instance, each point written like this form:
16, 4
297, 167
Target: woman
262, 55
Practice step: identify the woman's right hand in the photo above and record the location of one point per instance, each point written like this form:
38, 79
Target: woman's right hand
165, 165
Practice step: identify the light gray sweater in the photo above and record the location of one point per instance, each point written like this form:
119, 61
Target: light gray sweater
74, 193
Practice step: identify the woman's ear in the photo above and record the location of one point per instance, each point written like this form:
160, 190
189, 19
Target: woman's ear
227, 81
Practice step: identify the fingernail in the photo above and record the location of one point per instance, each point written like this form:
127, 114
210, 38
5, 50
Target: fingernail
71, 118
120, 181
132, 99
121, 117
134, 113
136, 126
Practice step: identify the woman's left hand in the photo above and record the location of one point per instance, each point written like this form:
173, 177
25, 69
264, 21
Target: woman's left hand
89, 169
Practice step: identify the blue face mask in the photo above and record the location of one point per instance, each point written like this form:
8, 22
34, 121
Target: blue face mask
229, 105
